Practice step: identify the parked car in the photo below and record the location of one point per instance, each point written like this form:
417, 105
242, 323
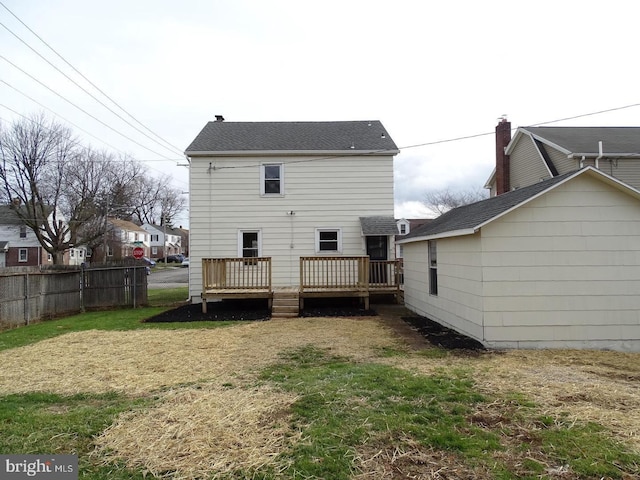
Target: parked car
185, 262
148, 261
178, 258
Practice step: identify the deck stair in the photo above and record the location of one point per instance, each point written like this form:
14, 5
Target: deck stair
286, 303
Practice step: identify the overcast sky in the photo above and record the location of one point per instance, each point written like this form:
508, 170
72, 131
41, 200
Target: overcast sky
430, 71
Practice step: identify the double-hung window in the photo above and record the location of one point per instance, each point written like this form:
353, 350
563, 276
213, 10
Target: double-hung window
249, 243
23, 255
328, 240
272, 179
433, 267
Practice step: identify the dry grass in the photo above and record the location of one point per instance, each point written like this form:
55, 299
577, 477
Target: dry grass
138, 362
221, 424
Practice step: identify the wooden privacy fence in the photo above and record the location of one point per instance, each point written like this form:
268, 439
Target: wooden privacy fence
227, 278
29, 295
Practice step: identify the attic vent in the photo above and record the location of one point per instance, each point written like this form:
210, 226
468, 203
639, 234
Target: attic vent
219, 118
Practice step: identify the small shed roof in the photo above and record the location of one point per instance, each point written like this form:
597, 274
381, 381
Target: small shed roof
469, 218
378, 225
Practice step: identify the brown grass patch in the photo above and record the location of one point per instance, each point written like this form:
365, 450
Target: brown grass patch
138, 362
202, 433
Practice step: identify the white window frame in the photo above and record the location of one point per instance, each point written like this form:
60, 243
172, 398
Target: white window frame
241, 233
154, 250
21, 258
339, 239
263, 179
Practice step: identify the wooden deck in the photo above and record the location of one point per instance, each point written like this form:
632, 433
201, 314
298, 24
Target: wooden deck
357, 276
234, 278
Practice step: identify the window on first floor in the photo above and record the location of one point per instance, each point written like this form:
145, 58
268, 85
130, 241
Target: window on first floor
433, 267
249, 243
272, 179
328, 240
23, 255
109, 251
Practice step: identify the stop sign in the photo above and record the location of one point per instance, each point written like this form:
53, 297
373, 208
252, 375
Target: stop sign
138, 252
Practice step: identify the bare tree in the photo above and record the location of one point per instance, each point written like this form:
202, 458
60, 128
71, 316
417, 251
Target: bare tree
64, 192
441, 201
34, 155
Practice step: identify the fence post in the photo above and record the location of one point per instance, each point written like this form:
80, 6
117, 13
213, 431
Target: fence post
26, 298
83, 272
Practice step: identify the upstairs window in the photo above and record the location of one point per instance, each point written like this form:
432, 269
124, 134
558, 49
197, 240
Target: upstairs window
433, 267
23, 231
272, 179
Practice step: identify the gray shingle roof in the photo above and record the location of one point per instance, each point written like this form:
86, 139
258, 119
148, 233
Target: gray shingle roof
584, 140
292, 136
475, 214
378, 225
8, 216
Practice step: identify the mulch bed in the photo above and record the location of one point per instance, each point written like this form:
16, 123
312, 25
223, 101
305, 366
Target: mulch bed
441, 336
256, 310
216, 311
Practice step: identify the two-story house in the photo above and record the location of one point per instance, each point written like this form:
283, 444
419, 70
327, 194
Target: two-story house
19, 246
163, 240
538, 153
286, 190
122, 236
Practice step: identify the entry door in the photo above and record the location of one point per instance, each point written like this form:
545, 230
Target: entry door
377, 249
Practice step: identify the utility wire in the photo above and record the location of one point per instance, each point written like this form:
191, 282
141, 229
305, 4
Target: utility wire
89, 81
82, 110
83, 89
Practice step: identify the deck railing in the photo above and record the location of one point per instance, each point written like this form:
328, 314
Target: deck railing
385, 274
334, 273
251, 273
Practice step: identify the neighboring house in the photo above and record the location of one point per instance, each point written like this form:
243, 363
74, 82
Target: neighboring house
184, 240
286, 190
555, 264
163, 240
19, 246
121, 238
539, 153
404, 228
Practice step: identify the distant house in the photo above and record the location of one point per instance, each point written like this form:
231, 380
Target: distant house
121, 238
288, 190
19, 246
404, 228
554, 264
539, 153
163, 240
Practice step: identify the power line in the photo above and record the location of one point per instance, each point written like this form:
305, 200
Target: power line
82, 88
81, 109
88, 81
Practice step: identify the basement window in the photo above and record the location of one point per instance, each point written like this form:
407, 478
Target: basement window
433, 267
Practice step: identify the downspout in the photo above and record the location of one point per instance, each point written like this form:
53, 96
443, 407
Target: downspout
599, 153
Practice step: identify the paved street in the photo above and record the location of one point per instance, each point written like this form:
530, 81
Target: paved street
170, 277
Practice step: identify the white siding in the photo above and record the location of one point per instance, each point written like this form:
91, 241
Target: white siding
564, 270
526, 165
322, 193
459, 301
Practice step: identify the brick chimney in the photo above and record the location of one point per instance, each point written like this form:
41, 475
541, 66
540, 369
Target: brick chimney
503, 137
